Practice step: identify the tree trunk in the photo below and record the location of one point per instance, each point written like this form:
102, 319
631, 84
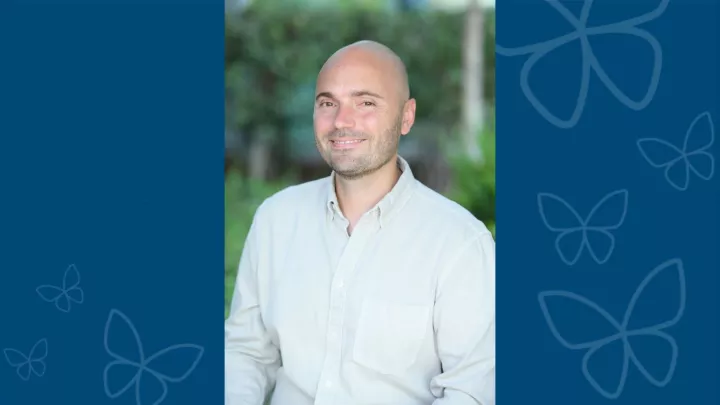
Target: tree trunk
473, 105
259, 153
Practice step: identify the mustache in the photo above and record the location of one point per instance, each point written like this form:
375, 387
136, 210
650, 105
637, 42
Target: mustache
345, 135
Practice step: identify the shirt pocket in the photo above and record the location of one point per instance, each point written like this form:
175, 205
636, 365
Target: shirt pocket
389, 335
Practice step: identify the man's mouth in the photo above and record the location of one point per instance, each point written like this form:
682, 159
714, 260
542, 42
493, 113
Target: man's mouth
346, 143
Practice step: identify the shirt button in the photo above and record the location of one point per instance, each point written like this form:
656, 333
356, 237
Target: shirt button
328, 383
341, 284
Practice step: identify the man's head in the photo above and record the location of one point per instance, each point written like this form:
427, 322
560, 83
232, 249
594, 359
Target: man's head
362, 107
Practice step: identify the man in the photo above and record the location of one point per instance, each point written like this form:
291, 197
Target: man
365, 287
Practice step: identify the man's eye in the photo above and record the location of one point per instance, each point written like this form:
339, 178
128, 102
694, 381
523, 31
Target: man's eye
325, 104
368, 103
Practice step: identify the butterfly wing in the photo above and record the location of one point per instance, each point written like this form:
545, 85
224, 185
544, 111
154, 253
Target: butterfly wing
578, 311
71, 278
658, 375
14, 357
63, 302
614, 352
700, 136
698, 139
557, 214
569, 245
549, 44
38, 367
662, 154
119, 376
539, 51
150, 389
582, 64
609, 213
634, 14
653, 66
677, 174
658, 152
650, 290
49, 293
122, 341
600, 244
39, 350
75, 294
177, 362
24, 370
702, 164
628, 28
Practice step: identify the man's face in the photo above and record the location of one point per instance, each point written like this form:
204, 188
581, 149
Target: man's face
358, 116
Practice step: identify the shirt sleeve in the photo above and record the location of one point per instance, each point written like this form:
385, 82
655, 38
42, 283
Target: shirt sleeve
465, 326
251, 359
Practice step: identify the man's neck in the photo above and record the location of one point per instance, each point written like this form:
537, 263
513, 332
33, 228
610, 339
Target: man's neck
357, 196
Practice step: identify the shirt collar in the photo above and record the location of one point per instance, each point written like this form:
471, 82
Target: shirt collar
390, 204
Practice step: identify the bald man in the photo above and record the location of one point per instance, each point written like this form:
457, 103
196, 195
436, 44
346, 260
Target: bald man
364, 287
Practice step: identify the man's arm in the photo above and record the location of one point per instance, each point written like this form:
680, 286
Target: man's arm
465, 326
251, 359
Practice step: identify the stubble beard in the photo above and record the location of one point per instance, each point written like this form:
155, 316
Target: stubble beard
352, 168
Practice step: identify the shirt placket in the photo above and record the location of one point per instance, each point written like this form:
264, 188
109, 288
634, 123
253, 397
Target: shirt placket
329, 378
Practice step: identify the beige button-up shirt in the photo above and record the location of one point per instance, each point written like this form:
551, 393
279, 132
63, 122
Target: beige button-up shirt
400, 313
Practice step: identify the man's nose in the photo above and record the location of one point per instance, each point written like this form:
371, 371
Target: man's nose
344, 117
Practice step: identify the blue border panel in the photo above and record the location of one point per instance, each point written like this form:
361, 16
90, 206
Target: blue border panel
608, 227
111, 154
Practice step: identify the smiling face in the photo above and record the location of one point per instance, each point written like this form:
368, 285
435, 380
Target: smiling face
360, 111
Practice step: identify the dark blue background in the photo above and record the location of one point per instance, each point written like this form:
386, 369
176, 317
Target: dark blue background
111, 146
582, 164
111, 154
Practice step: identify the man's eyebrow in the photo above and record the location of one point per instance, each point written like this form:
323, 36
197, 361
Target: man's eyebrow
359, 93
323, 94
366, 93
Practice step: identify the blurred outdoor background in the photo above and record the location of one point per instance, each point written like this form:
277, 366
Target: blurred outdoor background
274, 50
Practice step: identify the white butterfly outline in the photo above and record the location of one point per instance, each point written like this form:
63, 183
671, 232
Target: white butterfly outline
63, 296
682, 156
33, 363
589, 61
622, 330
142, 363
584, 226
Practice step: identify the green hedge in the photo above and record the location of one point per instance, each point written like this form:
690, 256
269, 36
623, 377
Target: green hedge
473, 183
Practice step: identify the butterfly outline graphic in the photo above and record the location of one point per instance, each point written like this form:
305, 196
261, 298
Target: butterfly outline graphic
63, 296
583, 226
143, 364
34, 363
589, 61
682, 156
623, 333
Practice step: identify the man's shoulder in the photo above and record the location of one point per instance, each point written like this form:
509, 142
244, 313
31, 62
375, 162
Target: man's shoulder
453, 228
294, 198
448, 216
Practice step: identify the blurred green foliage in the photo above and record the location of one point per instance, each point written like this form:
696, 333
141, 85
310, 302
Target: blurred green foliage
273, 55
473, 184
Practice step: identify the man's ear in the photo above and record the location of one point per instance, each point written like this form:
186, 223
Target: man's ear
408, 116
